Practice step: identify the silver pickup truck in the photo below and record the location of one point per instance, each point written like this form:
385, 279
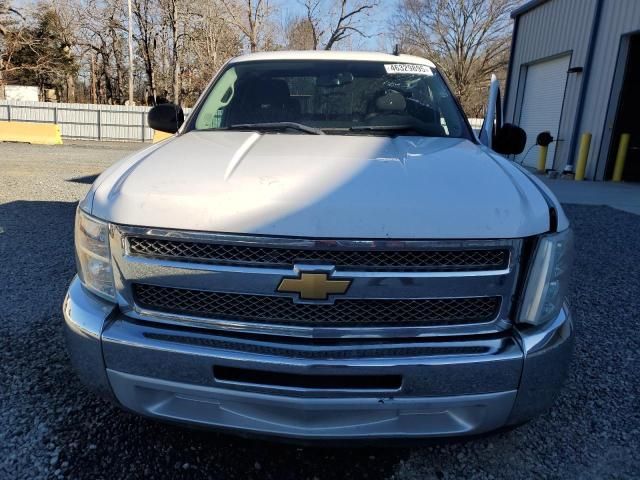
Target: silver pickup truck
324, 250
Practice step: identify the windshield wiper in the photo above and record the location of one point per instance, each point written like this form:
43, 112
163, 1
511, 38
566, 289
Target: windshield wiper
393, 129
276, 126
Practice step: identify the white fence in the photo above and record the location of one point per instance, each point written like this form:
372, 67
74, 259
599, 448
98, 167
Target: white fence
95, 122
476, 124
84, 121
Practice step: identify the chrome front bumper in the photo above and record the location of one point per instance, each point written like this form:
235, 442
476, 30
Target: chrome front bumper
448, 387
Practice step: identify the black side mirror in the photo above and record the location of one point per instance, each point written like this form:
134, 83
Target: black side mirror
544, 139
166, 117
509, 139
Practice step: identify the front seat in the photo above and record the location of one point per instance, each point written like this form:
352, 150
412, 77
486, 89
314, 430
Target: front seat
264, 100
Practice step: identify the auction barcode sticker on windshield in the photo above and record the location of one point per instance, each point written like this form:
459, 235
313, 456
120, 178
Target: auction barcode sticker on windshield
411, 68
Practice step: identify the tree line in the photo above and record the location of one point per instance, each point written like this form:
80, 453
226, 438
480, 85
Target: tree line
78, 50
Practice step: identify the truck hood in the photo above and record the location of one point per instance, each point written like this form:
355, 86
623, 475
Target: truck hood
321, 186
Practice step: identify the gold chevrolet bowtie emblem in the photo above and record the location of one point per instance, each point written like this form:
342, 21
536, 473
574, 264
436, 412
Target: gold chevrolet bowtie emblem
313, 286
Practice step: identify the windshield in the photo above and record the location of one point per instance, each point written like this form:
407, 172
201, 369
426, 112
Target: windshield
332, 97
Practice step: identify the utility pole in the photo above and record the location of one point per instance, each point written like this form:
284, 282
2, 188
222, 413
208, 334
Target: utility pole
130, 56
94, 88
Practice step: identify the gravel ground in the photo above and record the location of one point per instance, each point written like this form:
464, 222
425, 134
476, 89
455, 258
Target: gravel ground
50, 427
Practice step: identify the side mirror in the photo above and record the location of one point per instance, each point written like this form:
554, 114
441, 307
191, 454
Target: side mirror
166, 117
509, 140
544, 139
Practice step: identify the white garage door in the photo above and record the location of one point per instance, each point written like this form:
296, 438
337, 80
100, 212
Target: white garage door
542, 105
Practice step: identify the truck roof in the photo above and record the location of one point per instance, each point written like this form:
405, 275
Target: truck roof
331, 55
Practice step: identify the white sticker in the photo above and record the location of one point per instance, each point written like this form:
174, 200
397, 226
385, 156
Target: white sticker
410, 68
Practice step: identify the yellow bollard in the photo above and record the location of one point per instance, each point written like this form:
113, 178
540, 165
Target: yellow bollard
583, 154
621, 157
542, 158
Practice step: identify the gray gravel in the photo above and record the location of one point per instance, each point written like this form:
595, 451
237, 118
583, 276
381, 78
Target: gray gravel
50, 427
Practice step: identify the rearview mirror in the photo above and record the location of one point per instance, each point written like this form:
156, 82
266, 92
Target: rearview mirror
166, 117
509, 140
335, 80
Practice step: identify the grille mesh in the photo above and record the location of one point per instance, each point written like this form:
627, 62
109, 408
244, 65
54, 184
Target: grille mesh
344, 312
405, 260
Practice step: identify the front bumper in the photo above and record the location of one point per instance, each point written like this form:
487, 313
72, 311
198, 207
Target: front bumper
449, 388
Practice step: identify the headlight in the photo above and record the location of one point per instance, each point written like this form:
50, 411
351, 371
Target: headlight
548, 278
93, 256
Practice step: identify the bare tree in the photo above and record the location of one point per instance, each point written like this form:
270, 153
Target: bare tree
116, 30
18, 44
300, 34
102, 36
312, 22
212, 41
469, 39
145, 14
327, 22
179, 44
172, 16
68, 30
251, 18
347, 21
178, 16
8, 19
7, 16
36, 51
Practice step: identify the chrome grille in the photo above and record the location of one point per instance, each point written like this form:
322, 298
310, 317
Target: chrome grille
272, 309
403, 288
322, 352
433, 260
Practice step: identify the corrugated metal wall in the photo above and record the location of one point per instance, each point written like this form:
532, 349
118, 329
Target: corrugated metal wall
554, 28
84, 121
618, 18
542, 100
559, 26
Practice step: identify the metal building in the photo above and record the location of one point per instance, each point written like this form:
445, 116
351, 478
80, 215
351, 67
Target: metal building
574, 69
